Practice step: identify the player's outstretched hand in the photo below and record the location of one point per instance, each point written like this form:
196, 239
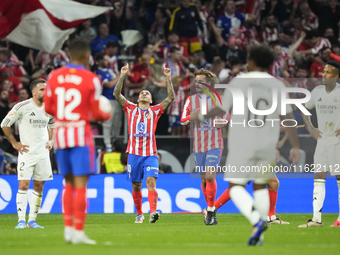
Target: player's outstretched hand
294, 156
49, 145
125, 70
20, 147
316, 133
167, 72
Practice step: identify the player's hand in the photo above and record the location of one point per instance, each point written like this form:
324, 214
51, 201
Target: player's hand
294, 156
316, 133
20, 147
167, 72
49, 145
125, 70
303, 34
194, 115
337, 133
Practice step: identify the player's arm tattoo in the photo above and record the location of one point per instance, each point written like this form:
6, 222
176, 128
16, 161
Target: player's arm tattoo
171, 94
118, 91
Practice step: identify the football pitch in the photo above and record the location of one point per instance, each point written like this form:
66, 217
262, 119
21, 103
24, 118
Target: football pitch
172, 234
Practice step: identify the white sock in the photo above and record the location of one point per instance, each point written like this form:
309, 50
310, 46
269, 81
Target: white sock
22, 204
339, 198
261, 197
318, 198
211, 209
245, 203
35, 203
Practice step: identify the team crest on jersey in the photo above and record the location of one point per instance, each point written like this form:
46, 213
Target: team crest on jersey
206, 123
147, 115
141, 127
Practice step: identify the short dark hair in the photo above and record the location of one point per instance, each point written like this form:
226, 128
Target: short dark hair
119, 145
324, 48
200, 53
7, 53
274, 43
235, 61
312, 33
335, 64
112, 44
174, 49
124, 159
78, 48
100, 56
289, 33
261, 55
173, 32
303, 66
35, 83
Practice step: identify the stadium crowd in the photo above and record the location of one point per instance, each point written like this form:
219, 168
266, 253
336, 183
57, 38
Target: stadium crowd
184, 36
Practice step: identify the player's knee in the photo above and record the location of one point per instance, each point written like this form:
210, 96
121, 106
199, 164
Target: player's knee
136, 186
24, 185
274, 184
320, 175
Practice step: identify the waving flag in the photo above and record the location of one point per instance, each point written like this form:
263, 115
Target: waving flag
43, 24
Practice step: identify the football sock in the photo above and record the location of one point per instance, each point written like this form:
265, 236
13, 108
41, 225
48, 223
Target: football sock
318, 198
153, 198
211, 194
79, 208
272, 203
68, 200
35, 203
261, 197
204, 192
224, 198
339, 198
137, 199
245, 203
22, 204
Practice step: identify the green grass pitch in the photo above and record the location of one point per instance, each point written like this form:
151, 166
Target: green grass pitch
173, 234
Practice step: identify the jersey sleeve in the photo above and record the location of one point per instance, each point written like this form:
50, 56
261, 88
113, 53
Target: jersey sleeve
311, 103
185, 118
12, 116
96, 91
128, 105
157, 109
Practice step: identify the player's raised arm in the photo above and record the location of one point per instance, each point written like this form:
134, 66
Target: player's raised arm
118, 89
170, 89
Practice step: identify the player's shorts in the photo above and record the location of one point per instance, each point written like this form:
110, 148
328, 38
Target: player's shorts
327, 159
140, 167
174, 121
210, 158
193, 44
39, 169
79, 161
242, 168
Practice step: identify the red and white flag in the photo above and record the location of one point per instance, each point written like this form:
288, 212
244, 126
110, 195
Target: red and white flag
43, 24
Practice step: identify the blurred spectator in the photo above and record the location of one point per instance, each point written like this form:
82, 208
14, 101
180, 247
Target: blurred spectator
5, 85
149, 49
329, 33
217, 66
111, 49
19, 71
183, 21
329, 14
23, 95
173, 41
175, 109
163, 168
203, 35
297, 26
316, 69
316, 41
270, 32
88, 33
301, 81
123, 161
231, 20
309, 19
175, 64
157, 30
14, 87
11, 168
109, 80
4, 109
200, 61
282, 9
98, 44
236, 67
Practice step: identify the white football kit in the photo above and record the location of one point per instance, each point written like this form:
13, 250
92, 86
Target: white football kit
327, 107
252, 137
33, 124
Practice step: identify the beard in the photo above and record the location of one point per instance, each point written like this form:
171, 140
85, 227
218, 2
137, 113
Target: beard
4, 100
41, 99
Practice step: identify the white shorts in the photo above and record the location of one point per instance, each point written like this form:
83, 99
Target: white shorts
243, 168
327, 159
39, 169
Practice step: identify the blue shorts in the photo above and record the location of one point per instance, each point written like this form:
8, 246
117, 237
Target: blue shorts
209, 158
174, 121
78, 160
139, 167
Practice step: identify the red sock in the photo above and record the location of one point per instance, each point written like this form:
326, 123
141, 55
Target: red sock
204, 192
272, 202
211, 193
79, 208
153, 198
137, 199
224, 198
68, 205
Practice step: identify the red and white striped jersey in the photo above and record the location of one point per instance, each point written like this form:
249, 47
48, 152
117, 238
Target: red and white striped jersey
178, 103
72, 97
182, 48
113, 64
142, 125
312, 21
323, 42
275, 68
206, 136
269, 35
177, 69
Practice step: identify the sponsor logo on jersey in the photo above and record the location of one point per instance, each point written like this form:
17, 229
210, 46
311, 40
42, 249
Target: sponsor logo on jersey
319, 100
32, 114
212, 156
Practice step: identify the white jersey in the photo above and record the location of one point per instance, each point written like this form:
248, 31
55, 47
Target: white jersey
327, 106
243, 136
33, 124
